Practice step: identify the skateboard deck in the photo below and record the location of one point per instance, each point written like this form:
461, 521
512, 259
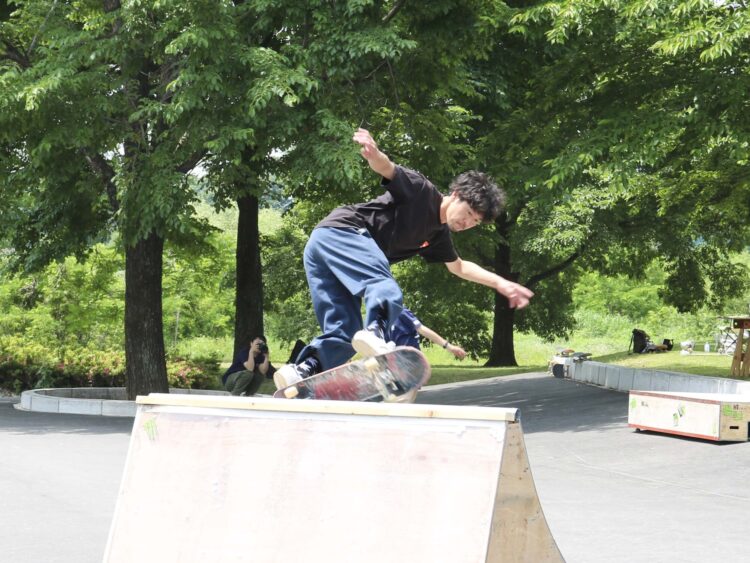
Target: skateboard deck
391, 377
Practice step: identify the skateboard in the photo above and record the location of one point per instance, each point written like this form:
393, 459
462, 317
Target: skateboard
392, 377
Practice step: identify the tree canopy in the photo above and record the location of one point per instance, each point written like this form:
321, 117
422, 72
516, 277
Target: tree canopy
619, 141
617, 127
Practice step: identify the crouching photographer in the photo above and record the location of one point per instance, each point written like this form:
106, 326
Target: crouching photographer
250, 367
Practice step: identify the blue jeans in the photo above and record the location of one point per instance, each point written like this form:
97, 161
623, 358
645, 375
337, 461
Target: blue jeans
343, 267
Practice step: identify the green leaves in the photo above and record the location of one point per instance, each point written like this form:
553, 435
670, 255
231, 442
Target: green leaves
276, 77
659, 139
68, 304
714, 29
684, 41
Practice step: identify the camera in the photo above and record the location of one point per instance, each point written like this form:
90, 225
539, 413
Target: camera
263, 347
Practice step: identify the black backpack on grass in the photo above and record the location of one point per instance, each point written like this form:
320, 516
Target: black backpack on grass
639, 341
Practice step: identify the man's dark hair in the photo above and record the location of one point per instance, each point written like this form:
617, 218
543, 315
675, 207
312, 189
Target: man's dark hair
480, 192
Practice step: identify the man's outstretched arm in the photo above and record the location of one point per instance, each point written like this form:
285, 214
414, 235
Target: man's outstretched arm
518, 296
435, 338
378, 161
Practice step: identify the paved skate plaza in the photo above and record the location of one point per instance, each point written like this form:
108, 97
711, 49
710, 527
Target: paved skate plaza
608, 493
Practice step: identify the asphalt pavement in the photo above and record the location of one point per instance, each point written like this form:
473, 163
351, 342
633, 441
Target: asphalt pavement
610, 494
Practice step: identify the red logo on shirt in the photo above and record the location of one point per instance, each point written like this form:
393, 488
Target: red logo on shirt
425, 244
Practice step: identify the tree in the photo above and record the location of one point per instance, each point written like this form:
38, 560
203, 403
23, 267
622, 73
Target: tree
358, 58
307, 61
408, 99
618, 143
105, 111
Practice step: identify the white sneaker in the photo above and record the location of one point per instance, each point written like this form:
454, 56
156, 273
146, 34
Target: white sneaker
286, 375
367, 343
289, 374
409, 396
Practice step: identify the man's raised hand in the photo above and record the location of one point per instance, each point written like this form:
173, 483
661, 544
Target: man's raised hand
369, 146
378, 161
518, 296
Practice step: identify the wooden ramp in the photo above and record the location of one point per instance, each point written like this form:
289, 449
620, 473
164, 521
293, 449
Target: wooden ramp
710, 416
224, 479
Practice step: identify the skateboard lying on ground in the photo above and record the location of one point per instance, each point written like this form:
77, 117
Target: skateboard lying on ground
394, 376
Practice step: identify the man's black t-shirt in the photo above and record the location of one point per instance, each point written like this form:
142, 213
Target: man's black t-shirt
404, 221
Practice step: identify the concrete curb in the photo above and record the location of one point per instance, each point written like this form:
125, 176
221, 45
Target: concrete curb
626, 379
97, 401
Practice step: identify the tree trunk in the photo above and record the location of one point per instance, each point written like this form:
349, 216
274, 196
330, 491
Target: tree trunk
502, 352
248, 318
144, 332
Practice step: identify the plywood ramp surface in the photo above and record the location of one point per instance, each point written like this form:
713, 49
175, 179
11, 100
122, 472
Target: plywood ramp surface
275, 480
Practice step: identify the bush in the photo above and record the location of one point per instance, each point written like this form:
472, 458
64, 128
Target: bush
202, 349
595, 324
14, 376
667, 322
25, 366
193, 374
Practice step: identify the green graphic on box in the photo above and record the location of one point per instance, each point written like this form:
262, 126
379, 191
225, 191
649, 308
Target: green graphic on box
731, 411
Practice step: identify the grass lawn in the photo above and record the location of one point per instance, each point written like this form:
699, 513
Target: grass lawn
698, 363
532, 351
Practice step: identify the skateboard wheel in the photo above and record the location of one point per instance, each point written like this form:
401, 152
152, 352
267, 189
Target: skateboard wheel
371, 364
291, 393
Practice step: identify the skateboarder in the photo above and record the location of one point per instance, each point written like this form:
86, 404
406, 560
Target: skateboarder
349, 253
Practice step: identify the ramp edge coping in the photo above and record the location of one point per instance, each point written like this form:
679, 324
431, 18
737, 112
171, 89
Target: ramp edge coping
334, 407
